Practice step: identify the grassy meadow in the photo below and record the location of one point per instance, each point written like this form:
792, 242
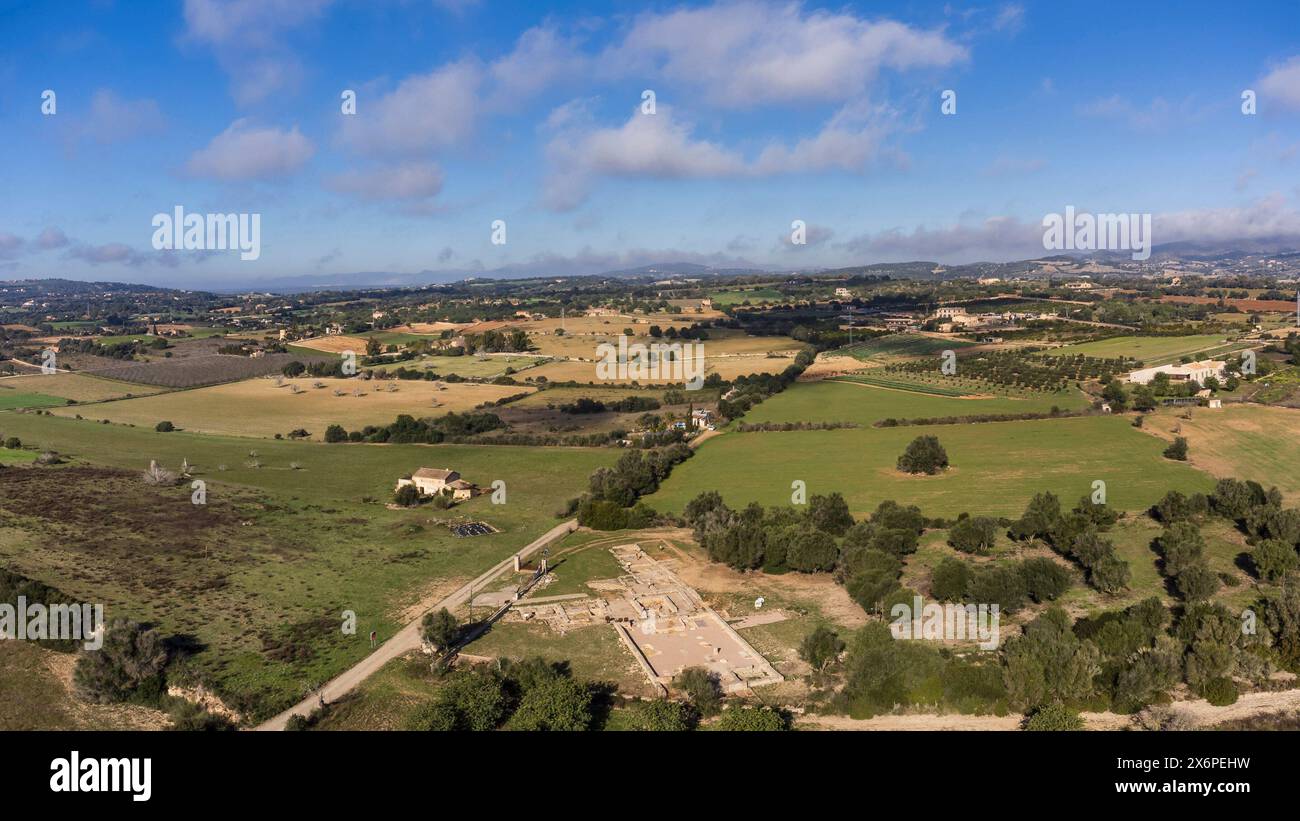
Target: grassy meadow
260, 576
996, 466
834, 401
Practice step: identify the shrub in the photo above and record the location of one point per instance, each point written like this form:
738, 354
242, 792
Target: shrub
1196, 583
951, 580
753, 719
1044, 578
128, 667
1178, 450
702, 688
1220, 691
407, 496
164, 427
924, 455
663, 715
1274, 559
974, 534
820, 648
1054, 717
441, 629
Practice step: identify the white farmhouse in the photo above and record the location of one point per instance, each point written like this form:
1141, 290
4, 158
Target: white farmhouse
430, 480
1200, 371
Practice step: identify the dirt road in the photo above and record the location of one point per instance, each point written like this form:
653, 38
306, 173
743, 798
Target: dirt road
408, 638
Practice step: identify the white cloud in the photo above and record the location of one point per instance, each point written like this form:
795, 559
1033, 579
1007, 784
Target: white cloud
1157, 115
410, 181
10, 245
1010, 18
647, 146
541, 57
661, 146
1003, 238
425, 111
244, 152
1266, 218
51, 238
749, 53
247, 23
112, 118
245, 36
1282, 85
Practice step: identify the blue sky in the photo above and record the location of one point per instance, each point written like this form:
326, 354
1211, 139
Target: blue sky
766, 112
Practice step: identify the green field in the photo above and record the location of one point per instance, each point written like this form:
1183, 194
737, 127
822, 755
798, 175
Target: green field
996, 467
902, 345
9, 401
1150, 350
722, 298
467, 366
262, 573
843, 401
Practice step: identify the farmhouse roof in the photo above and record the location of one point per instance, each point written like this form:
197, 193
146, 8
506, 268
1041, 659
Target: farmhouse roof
433, 473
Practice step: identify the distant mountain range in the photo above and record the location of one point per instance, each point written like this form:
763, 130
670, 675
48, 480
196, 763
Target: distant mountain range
1282, 247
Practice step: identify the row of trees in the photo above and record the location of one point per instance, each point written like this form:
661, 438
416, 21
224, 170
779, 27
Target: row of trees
612, 499
406, 429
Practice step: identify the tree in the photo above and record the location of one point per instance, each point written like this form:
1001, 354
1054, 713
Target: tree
1115, 395
663, 715
1273, 559
1234, 499
1109, 574
1197, 582
473, 699
1048, 662
1181, 545
924, 455
441, 629
1177, 450
702, 688
1044, 578
1041, 515
895, 540
974, 534
1000, 585
407, 496
373, 347
1144, 399
336, 433
812, 552
1054, 717
164, 427
873, 577
127, 667
821, 647
950, 580
830, 514
753, 719
559, 704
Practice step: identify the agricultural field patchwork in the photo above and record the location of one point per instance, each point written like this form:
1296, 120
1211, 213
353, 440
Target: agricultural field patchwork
263, 408
863, 402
